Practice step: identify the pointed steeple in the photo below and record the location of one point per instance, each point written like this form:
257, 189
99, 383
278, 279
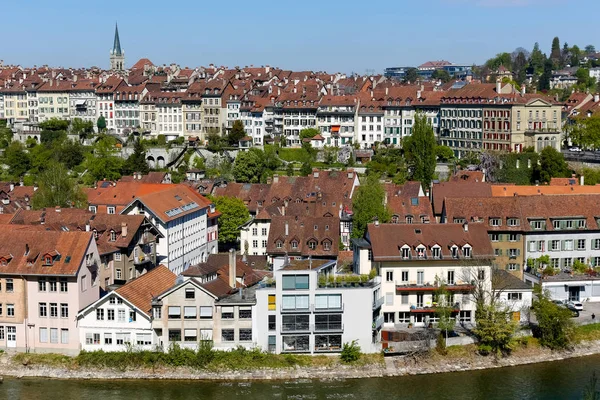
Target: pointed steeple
117, 45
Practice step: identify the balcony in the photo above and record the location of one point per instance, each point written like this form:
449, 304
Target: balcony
296, 328
378, 303
328, 308
377, 323
429, 287
142, 259
329, 327
294, 310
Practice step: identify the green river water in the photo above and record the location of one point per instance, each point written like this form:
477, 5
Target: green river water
557, 380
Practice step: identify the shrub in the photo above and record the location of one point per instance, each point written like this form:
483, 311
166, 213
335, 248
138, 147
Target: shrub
350, 352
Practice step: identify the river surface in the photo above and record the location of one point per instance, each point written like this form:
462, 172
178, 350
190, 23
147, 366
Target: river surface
556, 380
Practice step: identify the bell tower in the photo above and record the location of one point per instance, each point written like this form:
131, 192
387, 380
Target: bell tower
117, 56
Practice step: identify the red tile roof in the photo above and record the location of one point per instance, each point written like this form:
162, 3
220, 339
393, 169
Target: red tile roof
143, 289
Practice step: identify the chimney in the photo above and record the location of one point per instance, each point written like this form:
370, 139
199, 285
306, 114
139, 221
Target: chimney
523, 90
287, 229
596, 97
581, 180
275, 178
57, 209
386, 91
498, 86
12, 187
124, 229
87, 226
376, 221
232, 269
466, 227
35, 187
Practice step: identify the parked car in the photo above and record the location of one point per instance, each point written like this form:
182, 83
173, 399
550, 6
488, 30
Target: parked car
575, 148
575, 305
559, 302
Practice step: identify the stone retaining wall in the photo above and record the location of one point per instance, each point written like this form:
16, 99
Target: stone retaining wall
393, 366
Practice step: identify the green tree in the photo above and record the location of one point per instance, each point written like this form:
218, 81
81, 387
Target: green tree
495, 329
367, 204
17, 160
554, 325
56, 188
249, 166
585, 132
444, 153
443, 310
101, 123
289, 169
575, 53
552, 165
270, 158
544, 82
82, 128
555, 54
590, 49
136, 162
234, 214
69, 153
6, 136
537, 59
309, 133
305, 168
54, 124
350, 352
103, 162
237, 133
442, 75
520, 68
411, 75
215, 143
419, 150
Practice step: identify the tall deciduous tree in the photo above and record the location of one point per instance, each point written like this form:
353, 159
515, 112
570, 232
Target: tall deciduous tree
249, 166
308, 133
233, 215
552, 165
441, 74
419, 150
17, 159
555, 328
56, 188
103, 163
367, 204
411, 75
237, 132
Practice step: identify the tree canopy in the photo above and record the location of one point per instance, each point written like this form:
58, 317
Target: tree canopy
237, 133
136, 162
101, 123
442, 75
249, 166
308, 133
233, 215
411, 75
57, 188
103, 162
419, 150
552, 165
368, 203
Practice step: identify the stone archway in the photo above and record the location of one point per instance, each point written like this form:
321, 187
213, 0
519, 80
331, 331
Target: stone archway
151, 162
160, 162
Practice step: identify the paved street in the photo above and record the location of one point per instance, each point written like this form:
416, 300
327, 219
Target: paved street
585, 316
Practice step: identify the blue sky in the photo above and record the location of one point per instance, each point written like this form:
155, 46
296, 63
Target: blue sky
332, 35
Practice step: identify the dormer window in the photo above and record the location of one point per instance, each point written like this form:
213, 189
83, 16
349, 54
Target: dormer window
436, 252
454, 250
294, 244
47, 260
495, 222
421, 254
395, 219
512, 222
312, 244
405, 252
466, 250
278, 244
326, 245
113, 236
409, 219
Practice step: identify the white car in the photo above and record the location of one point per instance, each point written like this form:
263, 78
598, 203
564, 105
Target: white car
576, 305
575, 148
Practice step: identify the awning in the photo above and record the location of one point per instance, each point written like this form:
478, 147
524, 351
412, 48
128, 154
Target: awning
80, 102
335, 128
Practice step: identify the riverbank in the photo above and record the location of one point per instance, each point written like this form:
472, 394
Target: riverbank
458, 359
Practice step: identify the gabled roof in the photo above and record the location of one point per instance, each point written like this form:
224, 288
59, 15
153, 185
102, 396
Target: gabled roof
143, 289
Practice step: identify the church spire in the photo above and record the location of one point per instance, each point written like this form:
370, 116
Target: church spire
117, 45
